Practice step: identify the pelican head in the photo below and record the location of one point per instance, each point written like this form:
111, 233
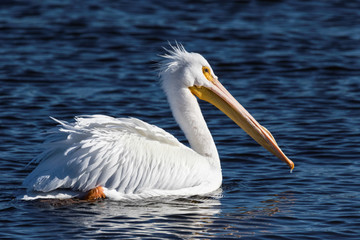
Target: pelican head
184, 73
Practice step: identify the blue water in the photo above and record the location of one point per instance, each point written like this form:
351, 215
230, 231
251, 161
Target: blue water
293, 64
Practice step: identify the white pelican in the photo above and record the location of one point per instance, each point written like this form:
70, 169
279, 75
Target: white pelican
100, 156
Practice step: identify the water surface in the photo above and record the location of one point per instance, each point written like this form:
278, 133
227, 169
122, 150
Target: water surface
294, 65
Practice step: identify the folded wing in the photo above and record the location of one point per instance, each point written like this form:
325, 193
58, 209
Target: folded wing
124, 154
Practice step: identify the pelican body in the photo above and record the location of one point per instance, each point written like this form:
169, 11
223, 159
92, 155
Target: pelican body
124, 158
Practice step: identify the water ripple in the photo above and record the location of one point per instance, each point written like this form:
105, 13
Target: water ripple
293, 64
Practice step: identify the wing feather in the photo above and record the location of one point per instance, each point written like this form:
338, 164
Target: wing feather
124, 154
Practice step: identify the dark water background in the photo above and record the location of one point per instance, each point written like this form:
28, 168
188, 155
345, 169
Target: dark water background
293, 64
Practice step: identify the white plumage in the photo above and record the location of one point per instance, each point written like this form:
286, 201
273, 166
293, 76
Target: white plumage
129, 158
115, 153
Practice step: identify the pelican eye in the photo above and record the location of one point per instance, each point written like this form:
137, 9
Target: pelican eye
207, 73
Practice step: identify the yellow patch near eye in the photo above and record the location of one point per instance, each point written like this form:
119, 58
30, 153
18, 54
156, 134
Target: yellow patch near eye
207, 73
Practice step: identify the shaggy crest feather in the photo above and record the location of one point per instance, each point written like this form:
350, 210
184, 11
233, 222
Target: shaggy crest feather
173, 58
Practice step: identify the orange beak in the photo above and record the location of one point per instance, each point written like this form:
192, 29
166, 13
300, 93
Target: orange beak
223, 100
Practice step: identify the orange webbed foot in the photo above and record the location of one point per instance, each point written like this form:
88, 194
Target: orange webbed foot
95, 193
